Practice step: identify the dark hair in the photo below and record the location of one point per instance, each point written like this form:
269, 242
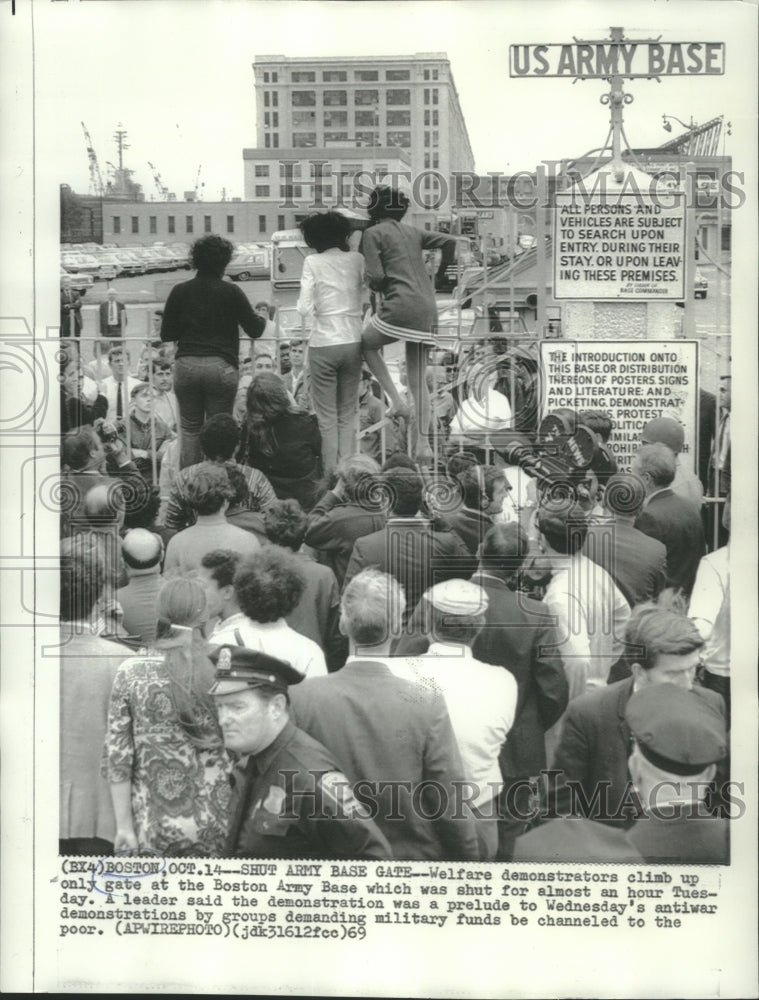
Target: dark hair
504, 548
219, 437
271, 587
325, 231
144, 502
208, 488
240, 488
266, 402
211, 254
386, 202
398, 460
406, 487
82, 577
223, 564
661, 627
285, 524
459, 461
624, 494
598, 422
76, 447
476, 480
565, 530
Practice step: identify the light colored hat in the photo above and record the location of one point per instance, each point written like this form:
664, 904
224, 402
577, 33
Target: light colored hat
458, 597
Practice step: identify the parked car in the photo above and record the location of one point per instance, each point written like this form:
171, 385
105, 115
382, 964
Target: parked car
700, 286
108, 261
80, 263
244, 266
130, 263
79, 282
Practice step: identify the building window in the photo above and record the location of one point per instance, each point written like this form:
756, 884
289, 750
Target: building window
262, 170
266, 77
366, 75
303, 98
435, 138
435, 160
434, 75
290, 191
399, 118
117, 224
335, 119
366, 97
426, 116
206, 223
275, 119
335, 137
426, 161
398, 97
399, 139
364, 118
267, 98
726, 238
135, 223
426, 95
274, 99
262, 223
153, 224
334, 76
274, 78
364, 138
267, 140
189, 225
171, 224
266, 119
436, 117
435, 93
322, 191
262, 190
275, 140
335, 98
280, 222
426, 74
290, 168
398, 74
307, 118
426, 138
303, 76
304, 139
230, 223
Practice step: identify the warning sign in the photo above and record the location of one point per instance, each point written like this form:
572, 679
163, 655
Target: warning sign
619, 246
630, 381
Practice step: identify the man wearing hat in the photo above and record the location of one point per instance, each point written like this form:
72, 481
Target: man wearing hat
668, 431
393, 734
481, 698
291, 799
678, 740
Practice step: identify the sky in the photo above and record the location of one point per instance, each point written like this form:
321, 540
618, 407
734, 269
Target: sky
178, 75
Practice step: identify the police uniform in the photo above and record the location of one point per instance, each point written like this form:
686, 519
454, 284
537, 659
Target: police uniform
291, 800
679, 734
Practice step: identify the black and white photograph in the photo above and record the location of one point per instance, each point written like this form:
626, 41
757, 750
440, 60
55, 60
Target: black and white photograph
372, 380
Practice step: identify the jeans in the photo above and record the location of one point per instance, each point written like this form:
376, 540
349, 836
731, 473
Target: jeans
203, 387
335, 376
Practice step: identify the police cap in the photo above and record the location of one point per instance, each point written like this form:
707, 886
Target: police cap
238, 669
676, 730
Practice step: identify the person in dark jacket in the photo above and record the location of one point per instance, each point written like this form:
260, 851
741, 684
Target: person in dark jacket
672, 519
203, 316
345, 513
519, 635
282, 441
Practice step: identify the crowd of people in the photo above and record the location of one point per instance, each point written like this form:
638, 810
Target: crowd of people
285, 639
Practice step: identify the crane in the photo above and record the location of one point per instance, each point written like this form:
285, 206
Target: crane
163, 191
96, 180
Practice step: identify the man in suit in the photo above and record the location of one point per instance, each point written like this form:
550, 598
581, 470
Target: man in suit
407, 547
591, 758
71, 309
483, 490
393, 737
679, 739
118, 386
672, 433
672, 519
345, 513
636, 562
113, 316
142, 552
518, 635
719, 464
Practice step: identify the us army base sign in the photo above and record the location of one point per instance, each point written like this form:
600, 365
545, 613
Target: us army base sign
621, 246
631, 381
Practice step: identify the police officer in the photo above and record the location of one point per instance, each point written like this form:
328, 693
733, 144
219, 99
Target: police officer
679, 739
291, 799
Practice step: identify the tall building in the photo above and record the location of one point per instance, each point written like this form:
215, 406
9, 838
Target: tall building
409, 102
